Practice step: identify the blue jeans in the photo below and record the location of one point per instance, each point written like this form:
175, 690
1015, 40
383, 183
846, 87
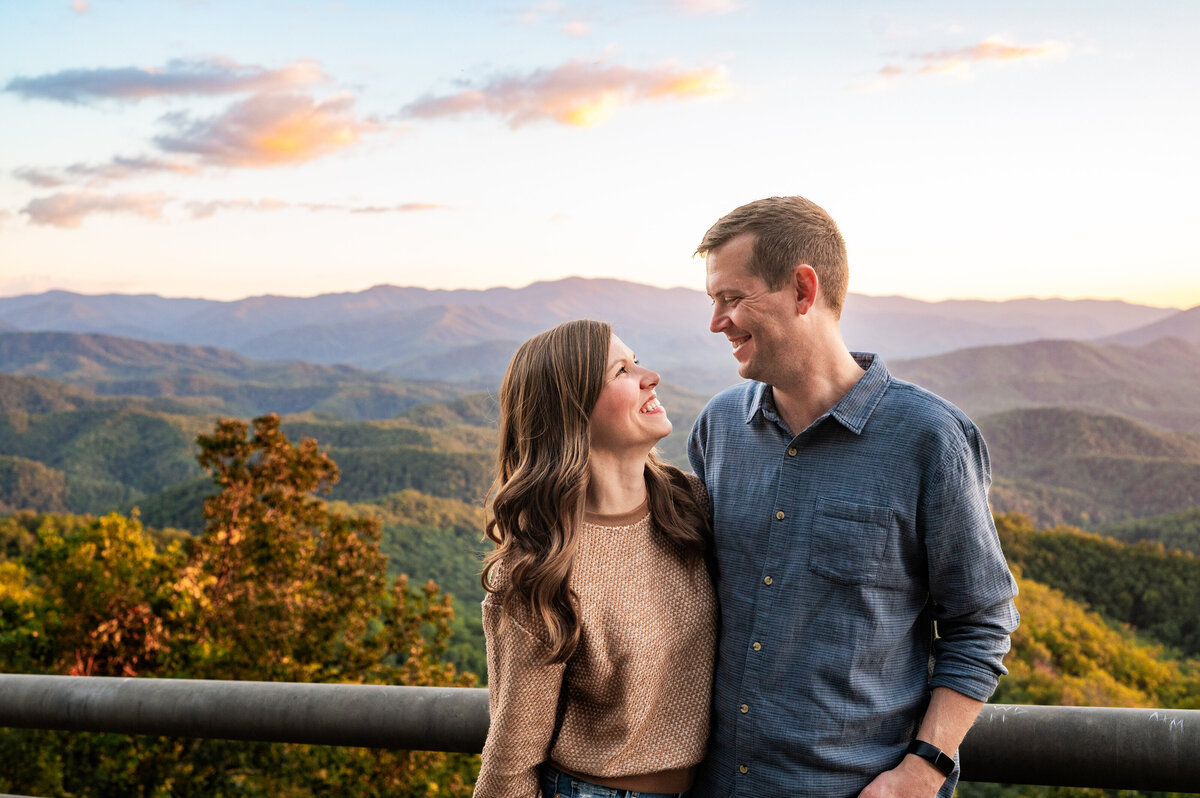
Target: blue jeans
556, 784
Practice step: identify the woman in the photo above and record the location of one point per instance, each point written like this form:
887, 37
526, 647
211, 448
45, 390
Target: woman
600, 615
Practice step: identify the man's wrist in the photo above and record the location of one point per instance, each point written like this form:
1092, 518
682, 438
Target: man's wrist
933, 756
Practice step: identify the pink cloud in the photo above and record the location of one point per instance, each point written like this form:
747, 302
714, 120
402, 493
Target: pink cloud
67, 209
576, 93
202, 76
268, 130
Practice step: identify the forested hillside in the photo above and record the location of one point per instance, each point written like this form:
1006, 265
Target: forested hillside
1064, 466
216, 381
1179, 530
1142, 585
1118, 627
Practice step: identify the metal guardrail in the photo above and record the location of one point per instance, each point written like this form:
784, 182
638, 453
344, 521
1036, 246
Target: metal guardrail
1136, 749
371, 716
1123, 749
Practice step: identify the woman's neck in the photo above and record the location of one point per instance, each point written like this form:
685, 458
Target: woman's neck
616, 484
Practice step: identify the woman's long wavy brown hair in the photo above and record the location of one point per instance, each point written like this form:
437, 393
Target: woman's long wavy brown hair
537, 500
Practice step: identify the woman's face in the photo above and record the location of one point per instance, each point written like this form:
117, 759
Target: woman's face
627, 415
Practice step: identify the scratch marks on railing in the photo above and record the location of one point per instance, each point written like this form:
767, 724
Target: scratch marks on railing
1172, 723
1002, 711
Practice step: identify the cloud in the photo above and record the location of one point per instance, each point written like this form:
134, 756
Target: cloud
699, 8
205, 210
577, 27
957, 60
404, 207
81, 6
536, 12
123, 168
576, 93
211, 76
119, 168
38, 177
67, 209
268, 130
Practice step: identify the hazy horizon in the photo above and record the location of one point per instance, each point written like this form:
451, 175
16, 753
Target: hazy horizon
570, 277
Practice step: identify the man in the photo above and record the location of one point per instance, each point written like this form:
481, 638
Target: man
865, 602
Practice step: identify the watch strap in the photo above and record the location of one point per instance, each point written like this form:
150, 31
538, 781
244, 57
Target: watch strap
933, 755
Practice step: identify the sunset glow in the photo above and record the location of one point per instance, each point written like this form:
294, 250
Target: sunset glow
235, 149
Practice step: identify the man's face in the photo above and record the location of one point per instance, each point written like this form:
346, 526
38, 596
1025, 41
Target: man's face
755, 319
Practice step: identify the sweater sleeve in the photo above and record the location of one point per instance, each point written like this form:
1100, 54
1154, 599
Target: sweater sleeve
523, 695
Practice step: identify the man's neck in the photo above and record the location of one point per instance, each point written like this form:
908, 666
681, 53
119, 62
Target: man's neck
814, 393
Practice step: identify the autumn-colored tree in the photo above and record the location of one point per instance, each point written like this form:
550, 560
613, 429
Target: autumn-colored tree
277, 588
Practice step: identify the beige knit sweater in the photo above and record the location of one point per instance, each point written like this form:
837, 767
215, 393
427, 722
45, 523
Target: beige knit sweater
636, 692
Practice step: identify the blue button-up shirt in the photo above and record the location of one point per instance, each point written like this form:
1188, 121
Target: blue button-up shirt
838, 550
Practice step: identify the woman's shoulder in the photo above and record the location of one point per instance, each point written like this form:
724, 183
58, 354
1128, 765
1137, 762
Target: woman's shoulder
694, 485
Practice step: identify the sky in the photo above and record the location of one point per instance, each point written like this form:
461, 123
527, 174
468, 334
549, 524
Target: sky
206, 148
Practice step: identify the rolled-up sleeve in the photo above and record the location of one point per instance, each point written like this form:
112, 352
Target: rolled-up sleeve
970, 583
523, 692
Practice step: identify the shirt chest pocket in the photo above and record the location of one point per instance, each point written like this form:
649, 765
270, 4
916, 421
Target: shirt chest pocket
849, 541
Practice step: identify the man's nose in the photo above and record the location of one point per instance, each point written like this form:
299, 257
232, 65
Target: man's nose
719, 320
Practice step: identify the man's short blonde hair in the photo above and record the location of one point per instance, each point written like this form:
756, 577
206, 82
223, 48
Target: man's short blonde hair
788, 231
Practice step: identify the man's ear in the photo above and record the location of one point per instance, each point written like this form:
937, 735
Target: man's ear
805, 283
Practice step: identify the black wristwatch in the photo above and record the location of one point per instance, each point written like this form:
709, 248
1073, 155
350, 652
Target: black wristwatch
933, 755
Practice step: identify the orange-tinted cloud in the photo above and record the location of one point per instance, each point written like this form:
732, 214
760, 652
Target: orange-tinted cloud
576, 93
68, 209
210, 76
268, 130
958, 59
80, 6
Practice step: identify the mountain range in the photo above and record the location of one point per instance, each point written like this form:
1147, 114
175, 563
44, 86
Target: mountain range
468, 335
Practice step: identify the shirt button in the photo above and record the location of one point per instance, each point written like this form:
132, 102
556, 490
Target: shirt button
792, 452
745, 708
779, 514
743, 769
757, 646
767, 580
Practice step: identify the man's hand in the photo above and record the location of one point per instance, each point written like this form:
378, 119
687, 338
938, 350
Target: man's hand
912, 778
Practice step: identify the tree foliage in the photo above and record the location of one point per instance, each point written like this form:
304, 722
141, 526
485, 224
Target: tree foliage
1143, 585
278, 587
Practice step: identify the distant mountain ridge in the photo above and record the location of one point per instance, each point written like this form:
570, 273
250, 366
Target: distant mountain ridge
1158, 383
407, 331
210, 379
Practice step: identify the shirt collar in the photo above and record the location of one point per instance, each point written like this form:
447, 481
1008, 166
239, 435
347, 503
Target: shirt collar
852, 411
